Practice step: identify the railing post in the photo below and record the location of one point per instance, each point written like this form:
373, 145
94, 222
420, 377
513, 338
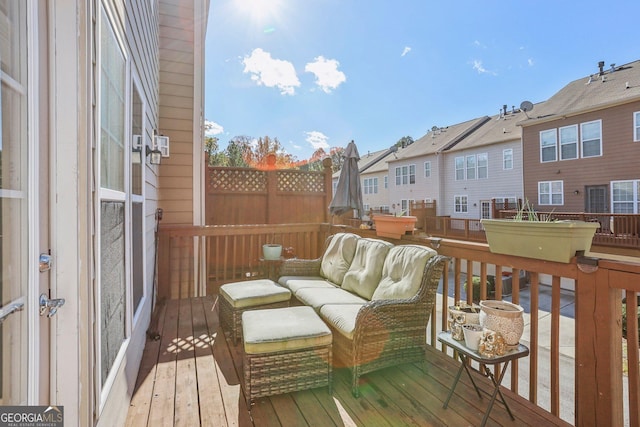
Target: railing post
272, 204
598, 382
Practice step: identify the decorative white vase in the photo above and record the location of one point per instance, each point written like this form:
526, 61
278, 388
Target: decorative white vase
504, 317
472, 335
271, 251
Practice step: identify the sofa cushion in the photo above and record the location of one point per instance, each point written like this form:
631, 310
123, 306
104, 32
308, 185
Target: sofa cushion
402, 272
283, 329
317, 297
294, 283
342, 317
251, 293
338, 256
366, 268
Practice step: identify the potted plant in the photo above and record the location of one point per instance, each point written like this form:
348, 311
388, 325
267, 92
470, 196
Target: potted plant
475, 287
394, 226
532, 236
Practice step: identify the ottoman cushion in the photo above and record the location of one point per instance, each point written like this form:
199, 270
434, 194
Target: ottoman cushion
252, 293
283, 329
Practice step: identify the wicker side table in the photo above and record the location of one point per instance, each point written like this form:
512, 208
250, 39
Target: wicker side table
238, 297
285, 350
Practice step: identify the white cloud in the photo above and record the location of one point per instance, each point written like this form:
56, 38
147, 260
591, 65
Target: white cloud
477, 65
317, 139
212, 128
328, 77
530, 62
271, 72
477, 43
406, 50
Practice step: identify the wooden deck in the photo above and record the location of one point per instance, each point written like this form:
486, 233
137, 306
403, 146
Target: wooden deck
192, 376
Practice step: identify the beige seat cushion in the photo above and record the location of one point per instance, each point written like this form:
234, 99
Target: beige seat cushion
338, 256
251, 293
294, 283
317, 297
283, 329
366, 268
342, 317
402, 272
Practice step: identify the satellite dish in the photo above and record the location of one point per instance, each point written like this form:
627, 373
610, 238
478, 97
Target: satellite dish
526, 106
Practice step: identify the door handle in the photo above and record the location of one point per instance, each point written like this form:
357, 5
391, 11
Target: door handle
50, 304
12, 307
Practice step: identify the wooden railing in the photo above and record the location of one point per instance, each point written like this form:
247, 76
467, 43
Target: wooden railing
616, 230
599, 385
194, 261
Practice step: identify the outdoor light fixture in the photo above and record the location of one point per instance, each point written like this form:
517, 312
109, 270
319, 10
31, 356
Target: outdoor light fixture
156, 155
136, 150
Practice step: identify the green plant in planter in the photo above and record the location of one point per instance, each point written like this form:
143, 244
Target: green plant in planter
475, 281
527, 213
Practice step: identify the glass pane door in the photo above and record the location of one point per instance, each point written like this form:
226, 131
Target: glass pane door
13, 202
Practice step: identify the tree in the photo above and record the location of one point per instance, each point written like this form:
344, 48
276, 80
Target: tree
260, 149
405, 141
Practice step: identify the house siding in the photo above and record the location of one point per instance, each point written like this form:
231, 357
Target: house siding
176, 98
618, 160
499, 182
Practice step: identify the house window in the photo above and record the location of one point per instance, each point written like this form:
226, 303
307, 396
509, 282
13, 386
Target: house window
406, 175
636, 126
569, 142
625, 197
471, 167
427, 169
485, 209
459, 161
483, 166
551, 193
370, 186
507, 159
591, 138
548, 143
460, 204
113, 195
386, 181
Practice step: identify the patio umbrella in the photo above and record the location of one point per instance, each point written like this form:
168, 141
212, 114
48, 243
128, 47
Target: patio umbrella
348, 194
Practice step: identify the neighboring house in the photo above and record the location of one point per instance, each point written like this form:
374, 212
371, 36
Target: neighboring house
484, 166
375, 180
581, 147
87, 86
418, 171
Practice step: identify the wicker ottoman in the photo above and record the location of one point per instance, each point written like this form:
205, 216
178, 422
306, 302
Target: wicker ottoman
239, 297
285, 350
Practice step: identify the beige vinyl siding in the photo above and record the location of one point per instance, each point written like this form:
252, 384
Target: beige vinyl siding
176, 109
499, 183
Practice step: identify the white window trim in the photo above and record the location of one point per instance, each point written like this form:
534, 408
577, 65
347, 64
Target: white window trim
582, 139
427, 169
576, 142
486, 156
555, 159
466, 204
636, 126
504, 154
551, 193
636, 194
456, 169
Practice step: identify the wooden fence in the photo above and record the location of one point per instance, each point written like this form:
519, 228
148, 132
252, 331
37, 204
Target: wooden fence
254, 196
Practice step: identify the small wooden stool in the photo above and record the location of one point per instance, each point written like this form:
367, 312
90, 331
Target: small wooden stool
285, 350
239, 297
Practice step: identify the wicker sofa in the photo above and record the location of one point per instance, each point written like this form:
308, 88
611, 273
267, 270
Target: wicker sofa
376, 297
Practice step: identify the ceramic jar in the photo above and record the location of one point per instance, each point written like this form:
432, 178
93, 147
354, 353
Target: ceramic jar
472, 335
504, 317
271, 252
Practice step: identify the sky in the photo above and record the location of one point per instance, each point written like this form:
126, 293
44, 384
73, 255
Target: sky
320, 73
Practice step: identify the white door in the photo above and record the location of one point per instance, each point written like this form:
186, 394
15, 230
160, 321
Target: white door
24, 334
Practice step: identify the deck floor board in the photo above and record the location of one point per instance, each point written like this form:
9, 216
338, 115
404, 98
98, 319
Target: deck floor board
193, 376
